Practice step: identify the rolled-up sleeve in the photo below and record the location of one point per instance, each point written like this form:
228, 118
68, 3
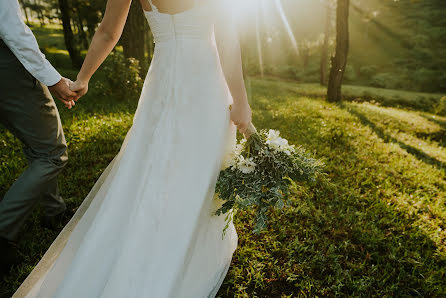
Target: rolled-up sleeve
21, 41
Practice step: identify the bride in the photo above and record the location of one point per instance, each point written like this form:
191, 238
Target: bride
147, 227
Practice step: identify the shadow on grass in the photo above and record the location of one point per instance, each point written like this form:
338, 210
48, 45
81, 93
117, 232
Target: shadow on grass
347, 242
389, 139
442, 123
331, 245
438, 136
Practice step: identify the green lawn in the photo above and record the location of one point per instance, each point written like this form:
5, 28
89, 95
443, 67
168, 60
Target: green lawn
380, 232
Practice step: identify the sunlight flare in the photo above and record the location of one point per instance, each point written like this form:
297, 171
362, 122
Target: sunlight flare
281, 12
259, 43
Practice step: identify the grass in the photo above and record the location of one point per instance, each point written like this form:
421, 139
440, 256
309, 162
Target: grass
419, 101
381, 232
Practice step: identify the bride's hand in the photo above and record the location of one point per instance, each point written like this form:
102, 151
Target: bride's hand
80, 87
241, 116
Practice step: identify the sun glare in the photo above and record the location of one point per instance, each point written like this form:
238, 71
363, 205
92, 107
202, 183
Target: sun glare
244, 8
281, 12
261, 22
261, 12
258, 41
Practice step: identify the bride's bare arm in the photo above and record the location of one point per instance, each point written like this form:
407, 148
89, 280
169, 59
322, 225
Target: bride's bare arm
103, 42
231, 61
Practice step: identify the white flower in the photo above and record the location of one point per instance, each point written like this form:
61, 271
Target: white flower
246, 166
238, 149
229, 160
231, 157
273, 134
278, 144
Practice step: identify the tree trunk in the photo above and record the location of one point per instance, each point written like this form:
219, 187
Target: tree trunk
80, 26
339, 61
40, 14
75, 56
324, 54
25, 10
91, 29
133, 37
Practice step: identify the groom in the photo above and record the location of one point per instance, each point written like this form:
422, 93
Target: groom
28, 111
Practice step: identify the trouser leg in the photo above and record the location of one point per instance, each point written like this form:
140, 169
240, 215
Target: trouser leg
52, 201
29, 112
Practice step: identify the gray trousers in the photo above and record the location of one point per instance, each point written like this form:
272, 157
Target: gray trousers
28, 111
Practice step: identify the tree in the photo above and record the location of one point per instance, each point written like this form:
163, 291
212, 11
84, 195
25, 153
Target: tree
25, 6
134, 35
339, 61
82, 35
304, 53
74, 52
324, 51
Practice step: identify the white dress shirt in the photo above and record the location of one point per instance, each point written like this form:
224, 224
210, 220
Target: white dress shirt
21, 41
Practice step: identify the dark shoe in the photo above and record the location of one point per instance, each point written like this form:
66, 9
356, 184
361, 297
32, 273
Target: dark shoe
8, 255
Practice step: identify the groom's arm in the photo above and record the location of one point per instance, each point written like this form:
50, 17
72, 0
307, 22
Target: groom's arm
21, 41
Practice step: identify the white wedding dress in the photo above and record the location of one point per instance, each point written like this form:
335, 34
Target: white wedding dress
147, 228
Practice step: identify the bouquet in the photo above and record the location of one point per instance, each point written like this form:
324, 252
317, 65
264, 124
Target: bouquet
259, 173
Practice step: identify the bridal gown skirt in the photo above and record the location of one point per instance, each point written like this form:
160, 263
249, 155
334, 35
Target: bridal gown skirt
147, 228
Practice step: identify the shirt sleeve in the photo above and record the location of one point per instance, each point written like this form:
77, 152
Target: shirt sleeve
21, 41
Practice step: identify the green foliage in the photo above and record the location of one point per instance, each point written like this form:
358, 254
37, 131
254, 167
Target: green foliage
428, 80
287, 72
368, 71
386, 80
350, 74
122, 79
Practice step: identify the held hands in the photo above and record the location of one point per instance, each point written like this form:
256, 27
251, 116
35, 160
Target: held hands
68, 92
80, 87
62, 92
241, 116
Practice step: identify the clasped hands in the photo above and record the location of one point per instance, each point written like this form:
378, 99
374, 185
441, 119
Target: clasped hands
68, 92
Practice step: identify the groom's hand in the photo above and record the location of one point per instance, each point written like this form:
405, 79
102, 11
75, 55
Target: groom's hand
62, 92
